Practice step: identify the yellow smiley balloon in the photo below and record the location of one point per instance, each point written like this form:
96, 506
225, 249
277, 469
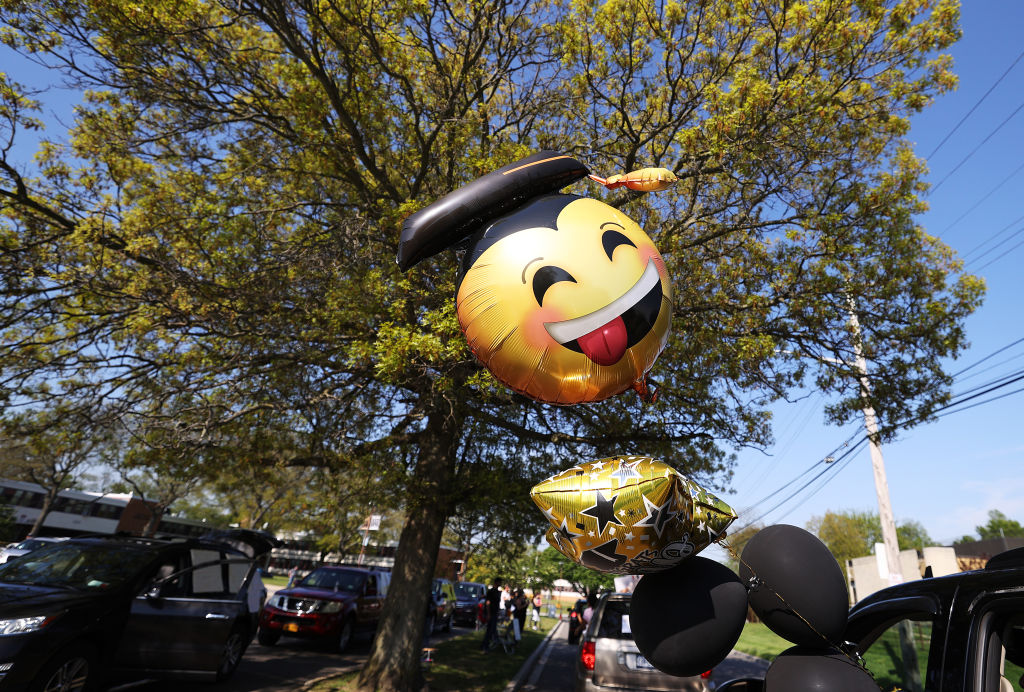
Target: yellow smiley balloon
566, 300
563, 298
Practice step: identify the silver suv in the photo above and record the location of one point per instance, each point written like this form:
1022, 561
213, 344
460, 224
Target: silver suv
608, 657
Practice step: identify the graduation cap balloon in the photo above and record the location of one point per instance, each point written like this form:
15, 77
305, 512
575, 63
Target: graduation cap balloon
563, 298
629, 515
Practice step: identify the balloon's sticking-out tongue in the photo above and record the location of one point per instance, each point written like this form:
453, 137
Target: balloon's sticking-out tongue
605, 345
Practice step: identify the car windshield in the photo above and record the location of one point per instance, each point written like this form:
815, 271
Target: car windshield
334, 579
78, 565
463, 590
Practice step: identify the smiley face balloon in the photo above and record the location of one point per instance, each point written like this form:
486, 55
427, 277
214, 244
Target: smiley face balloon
563, 298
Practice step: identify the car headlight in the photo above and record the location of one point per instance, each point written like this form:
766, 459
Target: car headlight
277, 601
23, 625
329, 607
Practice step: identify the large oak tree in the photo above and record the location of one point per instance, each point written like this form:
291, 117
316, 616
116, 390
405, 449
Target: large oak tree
215, 241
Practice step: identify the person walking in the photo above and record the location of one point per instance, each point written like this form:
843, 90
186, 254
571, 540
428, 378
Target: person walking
493, 602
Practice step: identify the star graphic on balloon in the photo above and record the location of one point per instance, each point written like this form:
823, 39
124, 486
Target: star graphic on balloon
657, 515
626, 471
602, 511
566, 532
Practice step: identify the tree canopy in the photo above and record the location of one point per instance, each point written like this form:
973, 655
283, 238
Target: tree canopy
998, 526
211, 246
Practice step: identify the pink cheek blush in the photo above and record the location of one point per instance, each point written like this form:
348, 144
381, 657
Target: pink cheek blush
534, 332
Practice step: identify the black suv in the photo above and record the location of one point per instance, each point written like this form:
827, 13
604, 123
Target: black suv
72, 611
958, 633
947, 634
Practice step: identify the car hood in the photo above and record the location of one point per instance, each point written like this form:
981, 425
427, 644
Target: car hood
23, 600
322, 594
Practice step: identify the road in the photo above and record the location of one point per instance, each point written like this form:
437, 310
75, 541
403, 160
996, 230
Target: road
285, 666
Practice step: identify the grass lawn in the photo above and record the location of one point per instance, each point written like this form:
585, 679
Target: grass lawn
459, 664
757, 640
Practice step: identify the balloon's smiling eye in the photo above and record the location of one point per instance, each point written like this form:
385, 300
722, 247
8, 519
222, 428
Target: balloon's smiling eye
545, 278
612, 239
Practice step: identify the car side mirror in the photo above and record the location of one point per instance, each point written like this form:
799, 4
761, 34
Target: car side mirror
153, 592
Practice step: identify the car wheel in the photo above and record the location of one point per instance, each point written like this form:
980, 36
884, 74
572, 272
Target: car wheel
345, 636
267, 637
231, 655
71, 670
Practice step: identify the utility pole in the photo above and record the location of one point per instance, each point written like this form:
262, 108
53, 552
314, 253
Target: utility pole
885, 516
912, 674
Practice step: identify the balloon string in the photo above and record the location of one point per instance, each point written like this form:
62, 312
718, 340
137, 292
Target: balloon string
857, 660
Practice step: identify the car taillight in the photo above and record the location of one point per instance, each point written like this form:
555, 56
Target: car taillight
706, 674
588, 655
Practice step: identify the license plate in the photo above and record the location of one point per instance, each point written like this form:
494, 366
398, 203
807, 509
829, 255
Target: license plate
642, 663
294, 627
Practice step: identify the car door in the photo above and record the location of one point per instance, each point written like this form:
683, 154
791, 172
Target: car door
182, 620
368, 604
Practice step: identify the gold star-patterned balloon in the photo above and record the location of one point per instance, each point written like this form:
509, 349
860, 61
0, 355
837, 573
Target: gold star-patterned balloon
629, 515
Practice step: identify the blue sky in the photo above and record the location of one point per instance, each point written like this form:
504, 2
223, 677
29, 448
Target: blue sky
947, 474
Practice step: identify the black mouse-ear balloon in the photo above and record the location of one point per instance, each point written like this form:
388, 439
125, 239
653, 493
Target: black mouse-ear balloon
799, 591
817, 670
686, 620
461, 213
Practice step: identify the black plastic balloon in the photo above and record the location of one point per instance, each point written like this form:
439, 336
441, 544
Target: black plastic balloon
461, 213
801, 669
799, 592
686, 620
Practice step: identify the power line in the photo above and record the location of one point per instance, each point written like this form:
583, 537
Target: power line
1001, 231
975, 149
989, 194
1002, 254
954, 406
991, 355
975, 106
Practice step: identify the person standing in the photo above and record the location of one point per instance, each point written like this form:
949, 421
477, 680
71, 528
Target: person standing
537, 603
519, 605
493, 602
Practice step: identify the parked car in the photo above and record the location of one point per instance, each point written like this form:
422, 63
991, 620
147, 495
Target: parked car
468, 597
26, 546
610, 660
75, 611
958, 633
441, 606
331, 604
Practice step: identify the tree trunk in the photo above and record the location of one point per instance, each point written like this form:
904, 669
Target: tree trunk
394, 661
44, 511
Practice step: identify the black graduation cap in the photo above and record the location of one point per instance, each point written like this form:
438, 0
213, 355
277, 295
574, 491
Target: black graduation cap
461, 213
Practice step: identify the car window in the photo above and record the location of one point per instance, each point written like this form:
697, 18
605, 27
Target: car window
334, 579
614, 622
898, 659
464, 590
1003, 631
207, 578
78, 566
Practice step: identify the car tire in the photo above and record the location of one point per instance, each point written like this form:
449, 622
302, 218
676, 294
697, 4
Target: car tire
73, 669
231, 655
267, 637
344, 636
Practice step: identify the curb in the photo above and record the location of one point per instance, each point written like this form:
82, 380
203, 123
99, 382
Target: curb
516, 682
